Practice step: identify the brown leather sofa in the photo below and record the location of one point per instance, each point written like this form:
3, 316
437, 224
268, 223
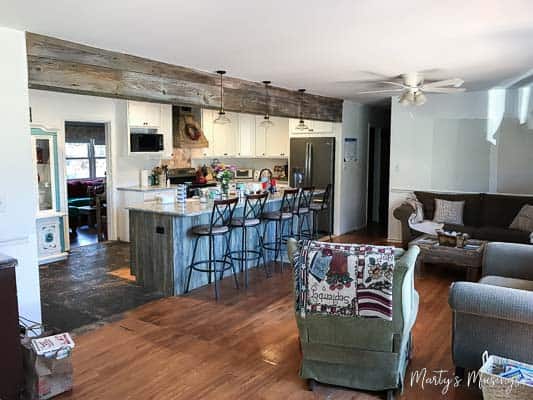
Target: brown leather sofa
485, 216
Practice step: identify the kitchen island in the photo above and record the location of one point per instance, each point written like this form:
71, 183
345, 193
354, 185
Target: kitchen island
162, 243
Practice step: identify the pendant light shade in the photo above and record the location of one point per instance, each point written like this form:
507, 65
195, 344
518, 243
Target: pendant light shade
301, 124
266, 123
222, 118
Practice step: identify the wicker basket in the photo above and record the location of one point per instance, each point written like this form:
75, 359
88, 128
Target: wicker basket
495, 387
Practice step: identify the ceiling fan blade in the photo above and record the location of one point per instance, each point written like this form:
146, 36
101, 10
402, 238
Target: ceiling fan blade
442, 90
396, 84
381, 91
455, 82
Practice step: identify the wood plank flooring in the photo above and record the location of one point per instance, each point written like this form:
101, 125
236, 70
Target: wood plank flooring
243, 347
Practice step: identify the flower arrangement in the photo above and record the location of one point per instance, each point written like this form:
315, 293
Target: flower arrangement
224, 174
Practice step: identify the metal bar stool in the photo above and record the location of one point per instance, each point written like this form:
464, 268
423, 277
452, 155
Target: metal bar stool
251, 218
284, 215
321, 205
219, 226
303, 212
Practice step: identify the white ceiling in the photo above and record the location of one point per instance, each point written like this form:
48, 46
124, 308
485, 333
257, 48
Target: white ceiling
316, 44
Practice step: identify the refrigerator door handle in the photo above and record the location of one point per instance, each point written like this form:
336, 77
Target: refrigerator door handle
306, 165
310, 165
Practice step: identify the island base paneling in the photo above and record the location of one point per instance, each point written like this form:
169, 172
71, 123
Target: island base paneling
162, 246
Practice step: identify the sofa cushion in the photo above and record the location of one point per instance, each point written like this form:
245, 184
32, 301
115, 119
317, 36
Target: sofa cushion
512, 283
500, 210
471, 212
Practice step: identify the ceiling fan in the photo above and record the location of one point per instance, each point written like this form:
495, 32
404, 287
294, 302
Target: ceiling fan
412, 88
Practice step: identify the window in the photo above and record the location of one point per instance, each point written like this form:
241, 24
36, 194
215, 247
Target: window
85, 160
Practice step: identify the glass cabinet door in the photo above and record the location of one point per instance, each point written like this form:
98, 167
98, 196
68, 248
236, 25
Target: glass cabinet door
43, 153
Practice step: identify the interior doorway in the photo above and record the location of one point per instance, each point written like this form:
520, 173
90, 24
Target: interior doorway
378, 178
86, 159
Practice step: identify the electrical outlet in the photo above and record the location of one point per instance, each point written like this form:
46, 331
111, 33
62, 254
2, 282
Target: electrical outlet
2, 203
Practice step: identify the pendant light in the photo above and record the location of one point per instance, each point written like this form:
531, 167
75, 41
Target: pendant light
221, 119
266, 123
301, 124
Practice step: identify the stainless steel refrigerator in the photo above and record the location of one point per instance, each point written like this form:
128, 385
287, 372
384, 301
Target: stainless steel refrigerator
312, 163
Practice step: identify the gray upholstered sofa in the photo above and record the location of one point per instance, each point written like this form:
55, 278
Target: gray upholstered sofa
495, 314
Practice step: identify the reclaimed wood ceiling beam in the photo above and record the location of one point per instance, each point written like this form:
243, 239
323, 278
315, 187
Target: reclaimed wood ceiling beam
59, 65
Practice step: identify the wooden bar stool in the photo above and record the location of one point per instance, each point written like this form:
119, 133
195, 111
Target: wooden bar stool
303, 211
251, 218
219, 226
283, 218
321, 205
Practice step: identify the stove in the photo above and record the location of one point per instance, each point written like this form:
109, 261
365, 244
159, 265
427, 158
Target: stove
187, 176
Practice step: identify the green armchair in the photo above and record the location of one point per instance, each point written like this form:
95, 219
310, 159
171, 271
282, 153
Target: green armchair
362, 353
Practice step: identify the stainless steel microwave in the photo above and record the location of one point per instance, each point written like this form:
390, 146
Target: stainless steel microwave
244, 173
146, 142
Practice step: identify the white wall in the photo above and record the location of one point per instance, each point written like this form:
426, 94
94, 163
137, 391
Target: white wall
52, 109
469, 142
18, 195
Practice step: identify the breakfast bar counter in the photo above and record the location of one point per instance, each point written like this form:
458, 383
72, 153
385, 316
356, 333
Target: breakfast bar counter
162, 242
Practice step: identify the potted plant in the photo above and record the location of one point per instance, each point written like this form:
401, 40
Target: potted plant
224, 174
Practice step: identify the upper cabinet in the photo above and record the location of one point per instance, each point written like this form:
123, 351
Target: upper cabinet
313, 126
222, 138
244, 136
144, 115
274, 141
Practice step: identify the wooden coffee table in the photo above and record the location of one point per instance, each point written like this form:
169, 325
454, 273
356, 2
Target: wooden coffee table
469, 257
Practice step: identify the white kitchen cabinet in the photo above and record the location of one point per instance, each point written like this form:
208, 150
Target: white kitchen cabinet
207, 127
277, 138
144, 115
260, 139
313, 126
322, 126
246, 137
222, 138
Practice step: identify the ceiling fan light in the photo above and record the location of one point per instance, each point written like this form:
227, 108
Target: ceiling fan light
404, 99
222, 119
420, 98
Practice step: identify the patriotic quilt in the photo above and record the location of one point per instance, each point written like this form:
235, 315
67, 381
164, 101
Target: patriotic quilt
344, 280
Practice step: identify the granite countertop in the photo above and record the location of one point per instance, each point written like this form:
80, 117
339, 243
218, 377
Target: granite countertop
138, 188
193, 207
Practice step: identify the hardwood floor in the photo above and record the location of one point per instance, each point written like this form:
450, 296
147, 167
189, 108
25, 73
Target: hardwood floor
243, 347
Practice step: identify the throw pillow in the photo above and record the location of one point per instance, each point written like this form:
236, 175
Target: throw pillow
524, 219
449, 212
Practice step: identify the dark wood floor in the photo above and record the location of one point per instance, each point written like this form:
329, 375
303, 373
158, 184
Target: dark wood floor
243, 347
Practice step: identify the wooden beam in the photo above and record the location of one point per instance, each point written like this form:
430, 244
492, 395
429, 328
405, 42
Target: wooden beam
59, 65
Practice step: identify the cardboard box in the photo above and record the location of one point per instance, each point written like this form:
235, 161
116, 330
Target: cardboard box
44, 377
